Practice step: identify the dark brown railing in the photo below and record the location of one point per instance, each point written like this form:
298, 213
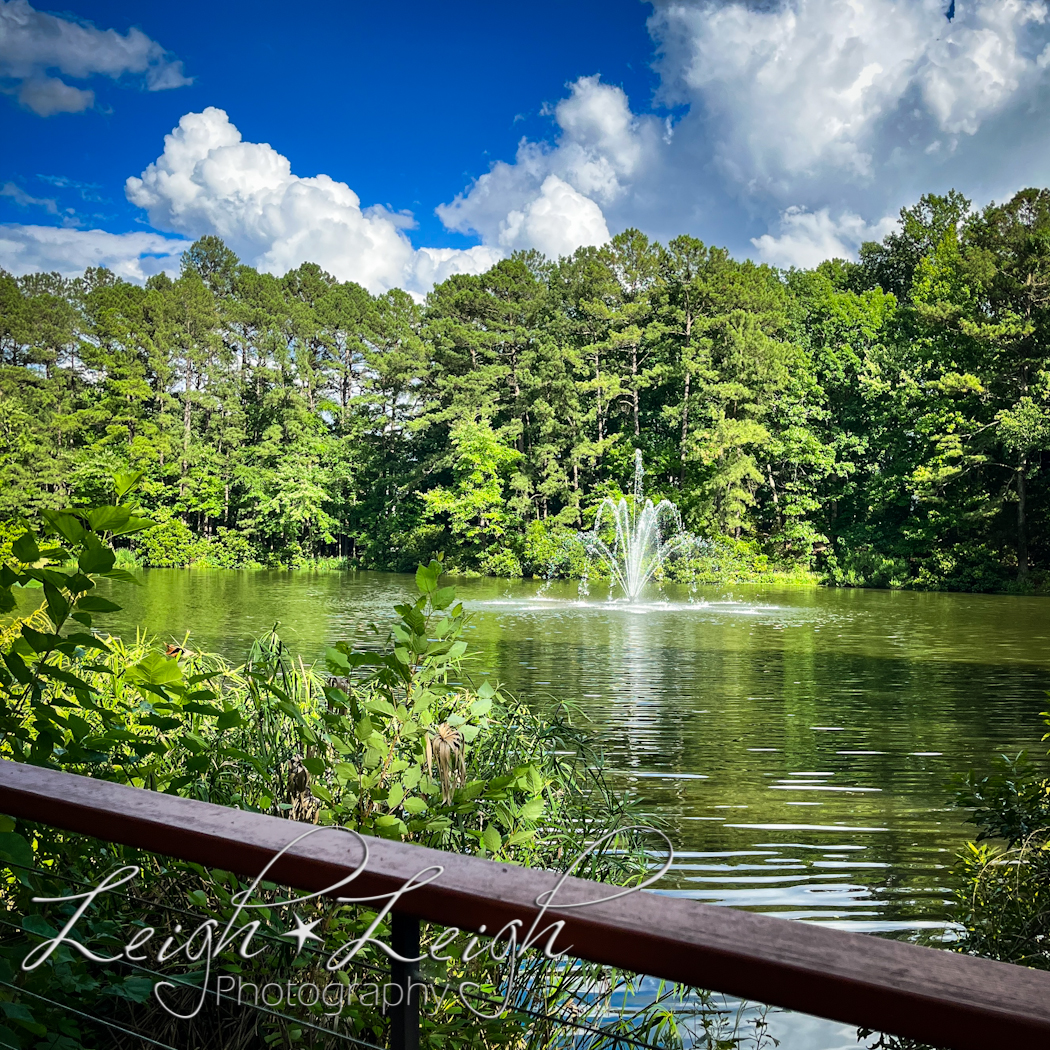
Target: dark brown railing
940, 997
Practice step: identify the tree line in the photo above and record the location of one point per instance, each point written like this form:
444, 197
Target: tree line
882, 422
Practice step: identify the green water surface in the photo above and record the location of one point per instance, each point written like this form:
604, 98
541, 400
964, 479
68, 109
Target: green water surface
799, 742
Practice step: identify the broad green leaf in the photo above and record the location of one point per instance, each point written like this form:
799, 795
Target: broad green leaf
57, 606
395, 796
426, 580
124, 483
155, 669
481, 707
38, 641
532, 809
133, 524
314, 766
415, 806
491, 837
14, 847
336, 661
96, 556
443, 597
364, 730
25, 549
96, 603
228, 720
7, 600
108, 518
88, 641
68, 526
345, 771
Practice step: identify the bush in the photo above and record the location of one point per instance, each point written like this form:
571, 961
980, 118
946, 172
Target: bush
170, 545
864, 567
9, 532
230, 549
553, 550
1003, 900
500, 562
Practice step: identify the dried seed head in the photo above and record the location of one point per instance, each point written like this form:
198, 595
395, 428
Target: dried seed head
444, 747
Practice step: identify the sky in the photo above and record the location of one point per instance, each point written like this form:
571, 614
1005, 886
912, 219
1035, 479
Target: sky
396, 146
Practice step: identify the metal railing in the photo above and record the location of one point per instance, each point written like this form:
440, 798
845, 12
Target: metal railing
940, 997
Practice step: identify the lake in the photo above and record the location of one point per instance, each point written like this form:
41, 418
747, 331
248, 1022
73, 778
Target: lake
799, 742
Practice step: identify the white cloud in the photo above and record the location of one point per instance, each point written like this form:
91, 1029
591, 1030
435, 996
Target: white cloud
793, 91
808, 238
209, 180
133, 256
33, 43
552, 197
557, 222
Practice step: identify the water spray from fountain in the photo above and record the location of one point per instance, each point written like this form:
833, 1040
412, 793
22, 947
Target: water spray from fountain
633, 539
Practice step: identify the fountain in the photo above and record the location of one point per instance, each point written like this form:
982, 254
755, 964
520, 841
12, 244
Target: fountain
632, 540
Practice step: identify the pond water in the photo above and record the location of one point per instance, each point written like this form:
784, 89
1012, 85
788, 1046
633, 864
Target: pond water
800, 742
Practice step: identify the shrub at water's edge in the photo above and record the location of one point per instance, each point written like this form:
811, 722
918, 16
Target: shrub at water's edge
380, 740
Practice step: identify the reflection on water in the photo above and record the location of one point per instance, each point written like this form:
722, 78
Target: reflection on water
799, 742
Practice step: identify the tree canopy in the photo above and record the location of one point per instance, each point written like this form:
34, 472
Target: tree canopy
884, 421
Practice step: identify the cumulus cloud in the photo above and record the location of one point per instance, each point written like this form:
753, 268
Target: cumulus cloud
133, 256
806, 239
552, 197
209, 180
793, 91
33, 44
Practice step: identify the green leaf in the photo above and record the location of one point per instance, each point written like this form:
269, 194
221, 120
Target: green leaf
124, 483
134, 524
426, 579
38, 641
25, 549
97, 604
228, 720
155, 669
491, 837
17, 667
337, 662
68, 526
415, 806
443, 598
7, 600
395, 796
532, 809
481, 707
57, 606
345, 771
108, 518
96, 556
14, 847
364, 729
314, 766
88, 641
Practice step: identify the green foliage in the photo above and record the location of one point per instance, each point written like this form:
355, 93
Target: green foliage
1003, 901
171, 545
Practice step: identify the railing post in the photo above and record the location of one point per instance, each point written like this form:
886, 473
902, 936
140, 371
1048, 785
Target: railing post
404, 1017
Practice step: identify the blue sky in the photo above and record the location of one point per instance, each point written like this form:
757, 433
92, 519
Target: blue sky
395, 145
